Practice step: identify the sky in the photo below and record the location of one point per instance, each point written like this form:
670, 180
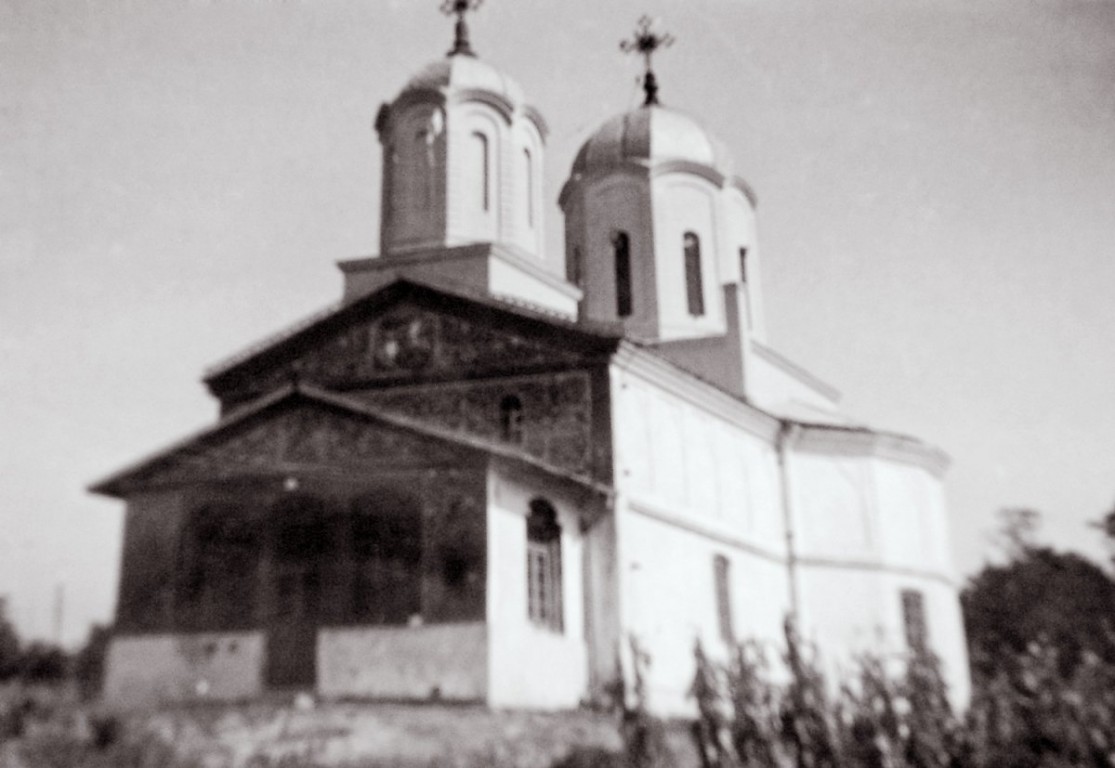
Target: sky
936, 184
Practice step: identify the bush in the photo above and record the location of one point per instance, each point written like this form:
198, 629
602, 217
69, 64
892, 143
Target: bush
1031, 716
89, 664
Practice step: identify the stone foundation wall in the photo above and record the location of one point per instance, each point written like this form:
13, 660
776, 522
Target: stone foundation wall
441, 661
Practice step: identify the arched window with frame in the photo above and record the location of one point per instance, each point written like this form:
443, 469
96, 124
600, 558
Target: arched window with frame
694, 290
544, 600
511, 419
528, 182
621, 248
480, 163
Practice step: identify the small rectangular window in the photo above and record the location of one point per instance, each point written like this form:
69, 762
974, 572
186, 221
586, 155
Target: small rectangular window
723, 576
913, 620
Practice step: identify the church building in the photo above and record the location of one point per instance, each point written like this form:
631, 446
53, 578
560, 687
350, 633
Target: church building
473, 479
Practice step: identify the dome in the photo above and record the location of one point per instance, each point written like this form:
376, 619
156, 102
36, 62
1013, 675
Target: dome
466, 73
650, 135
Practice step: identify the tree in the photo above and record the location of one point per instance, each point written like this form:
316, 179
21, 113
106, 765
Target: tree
1018, 527
1107, 525
1060, 598
9, 644
90, 661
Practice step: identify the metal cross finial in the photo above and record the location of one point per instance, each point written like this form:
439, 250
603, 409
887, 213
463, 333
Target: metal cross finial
460, 8
646, 41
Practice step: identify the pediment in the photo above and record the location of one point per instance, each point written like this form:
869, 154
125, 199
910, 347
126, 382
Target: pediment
408, 333
294, 433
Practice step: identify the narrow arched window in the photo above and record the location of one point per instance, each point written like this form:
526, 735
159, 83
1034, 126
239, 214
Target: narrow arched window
528, 181
621, 247
575, 269
511, 419
480, 166
424, 167
544, 606
694, 293
743, 282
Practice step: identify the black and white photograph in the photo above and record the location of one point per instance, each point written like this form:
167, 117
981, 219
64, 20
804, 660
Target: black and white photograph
525, 384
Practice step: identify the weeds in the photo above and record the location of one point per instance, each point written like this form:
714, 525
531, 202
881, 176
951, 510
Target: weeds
1027, 716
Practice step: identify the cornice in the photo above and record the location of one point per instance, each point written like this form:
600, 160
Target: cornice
877, 566
860, 441
506, 253
695, 527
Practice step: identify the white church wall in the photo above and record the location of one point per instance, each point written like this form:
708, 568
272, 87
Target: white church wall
841, 614
866, 529
691, 465
913, 519
848, 611
833, 504
146, 670
531, 666
685, 203
694, 485
670, 600
439, 661
944, 626
604, 634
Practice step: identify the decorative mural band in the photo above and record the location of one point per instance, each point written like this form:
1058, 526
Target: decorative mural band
302, 435
552, 422
404, 341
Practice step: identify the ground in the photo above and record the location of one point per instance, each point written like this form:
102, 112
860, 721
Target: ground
297, 732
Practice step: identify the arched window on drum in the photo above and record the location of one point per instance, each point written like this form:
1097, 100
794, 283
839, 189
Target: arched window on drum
694, 289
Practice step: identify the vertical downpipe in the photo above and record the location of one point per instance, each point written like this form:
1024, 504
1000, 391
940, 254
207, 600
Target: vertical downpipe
787, 432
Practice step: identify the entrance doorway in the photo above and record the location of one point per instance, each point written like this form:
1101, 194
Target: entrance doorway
297, 565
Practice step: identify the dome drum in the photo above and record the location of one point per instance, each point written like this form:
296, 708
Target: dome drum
462, 158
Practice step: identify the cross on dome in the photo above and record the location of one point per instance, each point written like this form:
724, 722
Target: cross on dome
645, 42
460, 8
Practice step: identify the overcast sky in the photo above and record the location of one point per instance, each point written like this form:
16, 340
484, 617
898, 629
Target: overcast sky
936, 187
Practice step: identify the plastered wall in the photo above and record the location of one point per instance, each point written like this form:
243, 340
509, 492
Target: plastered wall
670, 600
441, 661
153, 669
680, 460
866, 529
532, 666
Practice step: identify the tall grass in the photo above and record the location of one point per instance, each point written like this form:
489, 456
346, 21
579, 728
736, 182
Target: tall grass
1028, 715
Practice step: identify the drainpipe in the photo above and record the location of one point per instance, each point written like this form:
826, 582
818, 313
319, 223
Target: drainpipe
787, 434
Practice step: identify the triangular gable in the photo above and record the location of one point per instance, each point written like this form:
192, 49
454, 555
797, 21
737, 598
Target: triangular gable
288, 431
408, 331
